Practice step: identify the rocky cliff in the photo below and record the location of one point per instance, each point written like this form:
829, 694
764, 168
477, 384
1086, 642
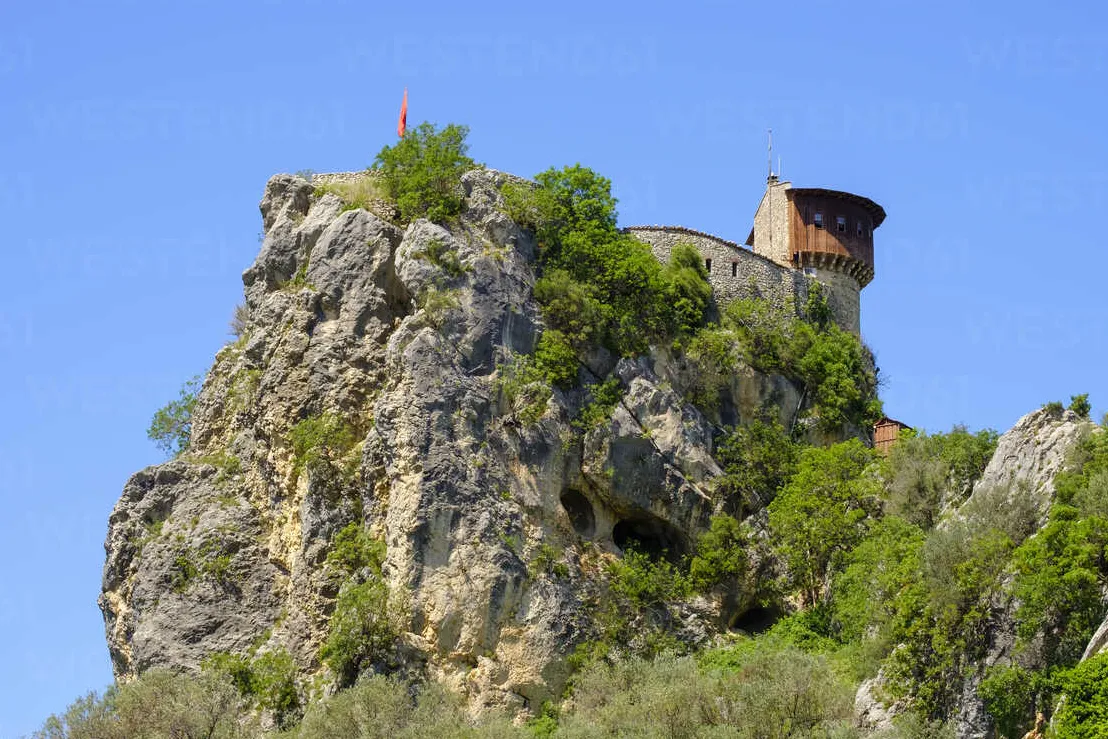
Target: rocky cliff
395, 346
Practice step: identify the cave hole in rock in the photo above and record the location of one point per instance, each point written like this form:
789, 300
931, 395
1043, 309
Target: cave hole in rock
580, 512
756, 620
651, 536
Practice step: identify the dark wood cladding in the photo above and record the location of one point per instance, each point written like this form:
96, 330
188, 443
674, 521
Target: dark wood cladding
811, 243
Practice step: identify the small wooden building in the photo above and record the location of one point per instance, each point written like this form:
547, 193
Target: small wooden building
886, 432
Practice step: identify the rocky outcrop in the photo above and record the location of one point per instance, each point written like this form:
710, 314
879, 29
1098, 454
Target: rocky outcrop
1032, 452
1026, 460
402, 336
1021, 470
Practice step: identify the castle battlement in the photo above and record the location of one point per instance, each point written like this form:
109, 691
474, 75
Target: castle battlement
799, 234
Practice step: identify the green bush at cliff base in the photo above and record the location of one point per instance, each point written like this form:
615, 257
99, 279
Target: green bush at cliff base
158, 704
423, 171
268, 680
764, 693
360, 631
757, 689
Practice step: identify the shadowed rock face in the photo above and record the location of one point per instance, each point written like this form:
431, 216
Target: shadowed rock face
353, 317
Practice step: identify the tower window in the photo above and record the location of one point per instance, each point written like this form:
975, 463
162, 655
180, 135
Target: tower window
708, 265
840, 224
734, 269
817, 219
860, 229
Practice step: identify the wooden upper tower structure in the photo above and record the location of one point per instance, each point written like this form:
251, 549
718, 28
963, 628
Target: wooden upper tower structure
826, 233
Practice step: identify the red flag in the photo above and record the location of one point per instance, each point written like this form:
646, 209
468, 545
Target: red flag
403, 124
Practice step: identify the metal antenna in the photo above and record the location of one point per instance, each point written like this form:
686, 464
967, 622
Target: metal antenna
779, 169
770, 150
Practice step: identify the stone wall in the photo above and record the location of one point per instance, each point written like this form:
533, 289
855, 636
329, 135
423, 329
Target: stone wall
771, 224
736, 272
842, 292
330, 178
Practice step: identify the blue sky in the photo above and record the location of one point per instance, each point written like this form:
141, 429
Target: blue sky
135, 142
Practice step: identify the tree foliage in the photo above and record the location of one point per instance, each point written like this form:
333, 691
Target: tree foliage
822, 513
832, 366
171, 427
422, 172
600, 285
721, 555
1084, 713
757, 459
924, 470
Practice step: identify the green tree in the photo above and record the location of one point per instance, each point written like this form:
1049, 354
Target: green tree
556, 359
1061, 572
423, 171
1010, 694
832, 366
1084, 713
822, 514
876, 572
720, 555
922, 470
630, 299
171, 427
687, 289
757, 459
1080, 405
360, 631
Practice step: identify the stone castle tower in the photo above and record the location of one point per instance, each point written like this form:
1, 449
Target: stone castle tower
827, 234
799, 235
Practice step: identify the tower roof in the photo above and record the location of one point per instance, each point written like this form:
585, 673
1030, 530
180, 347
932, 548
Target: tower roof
875, 210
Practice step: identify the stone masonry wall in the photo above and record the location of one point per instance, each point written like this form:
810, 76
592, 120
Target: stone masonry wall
771, 224
752, 276
842, 292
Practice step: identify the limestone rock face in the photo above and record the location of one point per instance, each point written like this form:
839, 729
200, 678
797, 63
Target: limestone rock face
404, 334
1032, 452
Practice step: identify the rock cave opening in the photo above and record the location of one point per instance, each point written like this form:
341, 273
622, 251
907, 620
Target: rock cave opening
756, 620
651, 536
580, 512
